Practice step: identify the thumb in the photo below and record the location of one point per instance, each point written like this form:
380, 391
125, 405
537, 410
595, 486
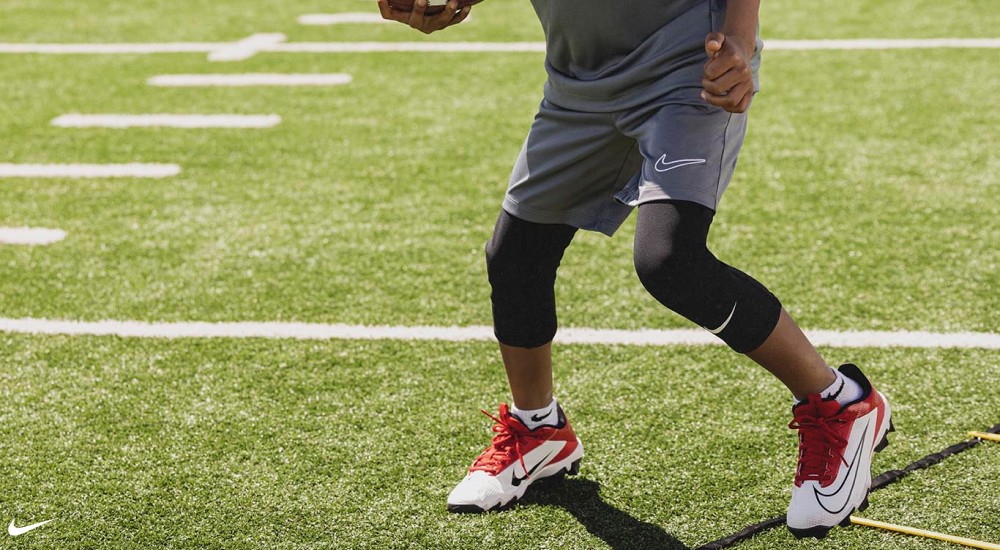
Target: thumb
713, 43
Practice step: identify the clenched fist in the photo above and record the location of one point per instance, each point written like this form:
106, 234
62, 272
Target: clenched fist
728, 80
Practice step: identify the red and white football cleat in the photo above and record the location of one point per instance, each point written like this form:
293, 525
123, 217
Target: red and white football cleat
835, 457
516, 458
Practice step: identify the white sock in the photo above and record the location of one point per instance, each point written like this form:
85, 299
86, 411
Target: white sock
533, 418
843, 389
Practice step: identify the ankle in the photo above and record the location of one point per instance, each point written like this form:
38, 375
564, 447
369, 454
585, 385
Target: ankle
842, 388
817, 384
547, 415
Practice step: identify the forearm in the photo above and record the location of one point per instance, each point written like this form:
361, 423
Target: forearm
741, 22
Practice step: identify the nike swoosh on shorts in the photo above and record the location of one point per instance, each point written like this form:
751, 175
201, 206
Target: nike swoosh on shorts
663, 166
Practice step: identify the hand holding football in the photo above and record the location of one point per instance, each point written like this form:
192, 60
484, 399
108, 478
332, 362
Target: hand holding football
433, 6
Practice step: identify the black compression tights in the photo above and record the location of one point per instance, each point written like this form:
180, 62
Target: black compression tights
671, 259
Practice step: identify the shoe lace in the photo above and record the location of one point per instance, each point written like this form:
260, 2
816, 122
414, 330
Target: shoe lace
505, 445
820, 443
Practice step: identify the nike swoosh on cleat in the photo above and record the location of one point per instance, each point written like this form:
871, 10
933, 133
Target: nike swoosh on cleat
663, 166
15, 531
852, 474
725, 323
515, 480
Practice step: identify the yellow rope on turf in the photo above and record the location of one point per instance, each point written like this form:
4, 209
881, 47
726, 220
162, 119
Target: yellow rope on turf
922, 533
984, 435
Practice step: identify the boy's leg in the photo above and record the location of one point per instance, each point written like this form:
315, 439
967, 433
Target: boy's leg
521, 260
534, 440
841, 419
571, 165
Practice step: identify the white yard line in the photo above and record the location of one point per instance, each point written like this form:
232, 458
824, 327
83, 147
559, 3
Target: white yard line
439, 47
30, 235
324, 19
113, 48
883, 44
316, 331
134, 170
251, 79
247, 48
166, 121
269, 43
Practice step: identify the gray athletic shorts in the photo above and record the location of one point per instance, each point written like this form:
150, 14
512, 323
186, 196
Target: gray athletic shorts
589, 170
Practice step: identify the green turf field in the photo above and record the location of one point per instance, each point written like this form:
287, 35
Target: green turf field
866, 198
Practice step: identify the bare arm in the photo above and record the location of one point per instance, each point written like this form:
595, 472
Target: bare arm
728, 81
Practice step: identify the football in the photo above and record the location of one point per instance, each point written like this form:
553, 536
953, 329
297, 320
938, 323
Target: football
433, 6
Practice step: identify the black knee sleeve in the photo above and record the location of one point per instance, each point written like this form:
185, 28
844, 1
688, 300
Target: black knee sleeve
521, 260
674, 264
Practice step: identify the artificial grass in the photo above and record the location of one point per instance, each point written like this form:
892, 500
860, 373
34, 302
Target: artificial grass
370, 203
865, 197
273, 443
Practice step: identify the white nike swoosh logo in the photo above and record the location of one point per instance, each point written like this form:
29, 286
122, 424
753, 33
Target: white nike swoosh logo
723, 326
663, 166
15, 531
838, 505
548, 450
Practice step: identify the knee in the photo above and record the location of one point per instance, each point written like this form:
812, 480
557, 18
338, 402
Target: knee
520, 250
501, 264
661, 268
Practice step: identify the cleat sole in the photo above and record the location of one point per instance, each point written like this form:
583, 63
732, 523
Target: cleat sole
465, 509
818, 532
571, 470
885, 438
473, 509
